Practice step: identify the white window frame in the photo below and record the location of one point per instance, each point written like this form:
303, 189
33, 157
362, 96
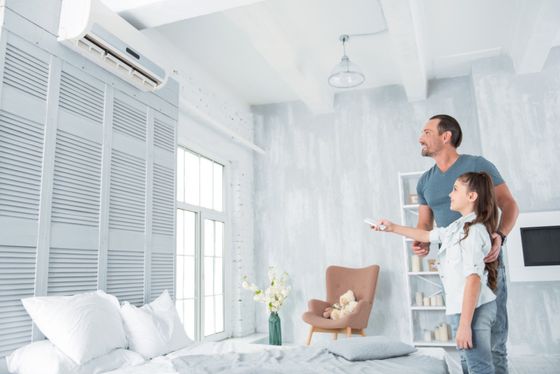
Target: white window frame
223, 216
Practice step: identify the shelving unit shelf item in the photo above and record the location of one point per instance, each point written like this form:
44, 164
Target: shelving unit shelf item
426, 311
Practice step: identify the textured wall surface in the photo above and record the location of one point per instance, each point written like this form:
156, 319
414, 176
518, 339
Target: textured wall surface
519, 118
322, 175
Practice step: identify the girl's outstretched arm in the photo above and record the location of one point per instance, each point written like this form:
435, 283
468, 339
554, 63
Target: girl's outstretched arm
409, 232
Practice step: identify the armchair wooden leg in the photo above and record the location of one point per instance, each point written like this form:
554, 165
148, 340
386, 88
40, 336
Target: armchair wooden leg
335, 336
362, 332
310, 335
349, 331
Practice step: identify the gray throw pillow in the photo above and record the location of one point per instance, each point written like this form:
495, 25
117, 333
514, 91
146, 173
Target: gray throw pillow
369, 348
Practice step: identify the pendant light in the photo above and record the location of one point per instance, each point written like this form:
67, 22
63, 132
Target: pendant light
346, 74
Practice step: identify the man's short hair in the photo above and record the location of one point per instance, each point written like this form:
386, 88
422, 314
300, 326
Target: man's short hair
448, 123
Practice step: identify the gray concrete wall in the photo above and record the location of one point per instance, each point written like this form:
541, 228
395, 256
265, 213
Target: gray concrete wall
322, 175
520, 119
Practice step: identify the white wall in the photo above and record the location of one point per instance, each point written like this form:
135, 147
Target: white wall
322, 175
519, 117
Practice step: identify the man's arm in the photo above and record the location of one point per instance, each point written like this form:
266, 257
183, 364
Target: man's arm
510, 211
509, 208
425, 222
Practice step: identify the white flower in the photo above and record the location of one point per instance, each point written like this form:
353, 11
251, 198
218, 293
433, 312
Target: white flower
275, 294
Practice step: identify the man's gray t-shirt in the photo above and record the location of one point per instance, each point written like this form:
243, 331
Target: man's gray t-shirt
434, 187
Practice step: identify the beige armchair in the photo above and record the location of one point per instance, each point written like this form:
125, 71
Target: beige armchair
339, 280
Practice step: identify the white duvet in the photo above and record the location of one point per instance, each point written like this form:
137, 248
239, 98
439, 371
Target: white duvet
242, 358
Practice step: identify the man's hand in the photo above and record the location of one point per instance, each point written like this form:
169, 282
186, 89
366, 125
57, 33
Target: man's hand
425, 222
496, 248
464, 337
421, 249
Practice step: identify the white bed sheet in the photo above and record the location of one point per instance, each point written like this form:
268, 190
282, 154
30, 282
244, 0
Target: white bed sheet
199, 353
164, 365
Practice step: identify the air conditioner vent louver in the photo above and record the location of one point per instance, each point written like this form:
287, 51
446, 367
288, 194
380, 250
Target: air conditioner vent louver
84, 27
113, 62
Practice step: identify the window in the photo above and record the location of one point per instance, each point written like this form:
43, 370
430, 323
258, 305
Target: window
201, 226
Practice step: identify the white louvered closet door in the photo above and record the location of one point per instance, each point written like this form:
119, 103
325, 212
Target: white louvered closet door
22, 130
76, 193
163, 208
127, 207
87, 184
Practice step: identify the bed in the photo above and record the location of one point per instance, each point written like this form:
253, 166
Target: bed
91, 333
235, 357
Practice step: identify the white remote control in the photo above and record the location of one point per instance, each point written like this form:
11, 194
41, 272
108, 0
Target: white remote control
372, 223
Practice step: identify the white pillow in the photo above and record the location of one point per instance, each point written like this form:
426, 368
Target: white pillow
82, 326
43, 357
155, 328
369, 348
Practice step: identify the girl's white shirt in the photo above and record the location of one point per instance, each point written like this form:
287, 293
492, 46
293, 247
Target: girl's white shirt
460, 258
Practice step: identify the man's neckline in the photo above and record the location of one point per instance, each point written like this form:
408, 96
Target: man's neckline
450, 166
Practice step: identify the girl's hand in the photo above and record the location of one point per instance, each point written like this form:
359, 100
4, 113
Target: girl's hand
464, 337
387, 225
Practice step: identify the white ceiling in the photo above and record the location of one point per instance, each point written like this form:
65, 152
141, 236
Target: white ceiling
281, 50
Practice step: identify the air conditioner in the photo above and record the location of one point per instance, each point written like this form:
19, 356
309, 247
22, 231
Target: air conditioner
93, 30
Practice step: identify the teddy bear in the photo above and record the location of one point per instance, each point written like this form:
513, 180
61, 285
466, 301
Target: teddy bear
346, 305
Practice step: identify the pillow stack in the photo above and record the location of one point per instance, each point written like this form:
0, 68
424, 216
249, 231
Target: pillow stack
87, 334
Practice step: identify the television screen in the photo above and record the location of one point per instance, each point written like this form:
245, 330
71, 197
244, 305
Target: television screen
541, 245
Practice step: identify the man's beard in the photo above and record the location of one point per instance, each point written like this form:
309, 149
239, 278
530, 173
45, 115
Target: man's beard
426, 153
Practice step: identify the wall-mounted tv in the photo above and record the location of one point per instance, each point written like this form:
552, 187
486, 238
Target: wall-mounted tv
541, 245
533, 247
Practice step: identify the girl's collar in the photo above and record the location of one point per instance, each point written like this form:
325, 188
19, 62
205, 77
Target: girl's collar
468, 218
462, 220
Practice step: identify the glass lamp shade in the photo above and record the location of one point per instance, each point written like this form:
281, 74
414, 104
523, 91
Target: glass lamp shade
346, 74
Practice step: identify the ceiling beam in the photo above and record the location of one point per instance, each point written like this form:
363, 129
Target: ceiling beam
402, 19
260, 26
144, 14
537, 28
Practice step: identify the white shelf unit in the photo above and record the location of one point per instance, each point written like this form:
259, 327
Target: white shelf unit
420, 317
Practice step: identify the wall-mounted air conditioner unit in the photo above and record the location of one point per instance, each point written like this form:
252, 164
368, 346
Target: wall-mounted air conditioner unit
101, 35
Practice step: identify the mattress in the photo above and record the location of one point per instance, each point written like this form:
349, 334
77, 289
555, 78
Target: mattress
242, 358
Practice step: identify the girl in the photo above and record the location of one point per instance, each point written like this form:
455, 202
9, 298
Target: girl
467, 281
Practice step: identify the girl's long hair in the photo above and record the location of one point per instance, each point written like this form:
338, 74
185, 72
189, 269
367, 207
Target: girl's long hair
486, 209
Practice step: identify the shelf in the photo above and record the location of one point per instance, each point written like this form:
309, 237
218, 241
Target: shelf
435, 344
425, 281
414, 307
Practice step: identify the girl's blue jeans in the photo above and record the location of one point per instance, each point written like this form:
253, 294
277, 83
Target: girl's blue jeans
478, 360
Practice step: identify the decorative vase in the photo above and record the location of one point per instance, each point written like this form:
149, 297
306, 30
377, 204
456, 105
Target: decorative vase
274, 329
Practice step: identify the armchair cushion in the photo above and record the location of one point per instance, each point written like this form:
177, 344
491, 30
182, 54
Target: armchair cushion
369, 348
317, 306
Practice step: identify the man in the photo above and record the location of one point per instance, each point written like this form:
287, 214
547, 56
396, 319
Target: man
440, 139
